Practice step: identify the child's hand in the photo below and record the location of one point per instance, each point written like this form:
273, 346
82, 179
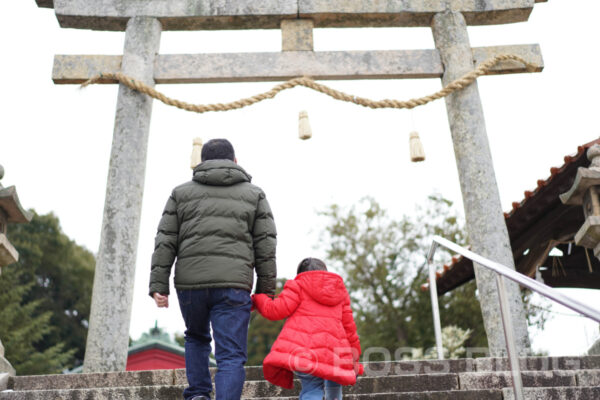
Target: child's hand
359, 369
253, 308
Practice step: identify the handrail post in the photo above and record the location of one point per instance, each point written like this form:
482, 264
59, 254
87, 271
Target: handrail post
434, 302
525, 281
509, 336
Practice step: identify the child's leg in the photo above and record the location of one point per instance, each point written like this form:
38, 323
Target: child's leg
333, 391
312, 387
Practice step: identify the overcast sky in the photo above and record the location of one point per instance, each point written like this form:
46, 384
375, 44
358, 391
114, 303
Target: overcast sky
56, 139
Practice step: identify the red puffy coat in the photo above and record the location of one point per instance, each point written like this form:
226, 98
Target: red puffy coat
319, 336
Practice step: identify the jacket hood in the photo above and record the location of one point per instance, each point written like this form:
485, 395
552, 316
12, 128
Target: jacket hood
324, 287
220, 173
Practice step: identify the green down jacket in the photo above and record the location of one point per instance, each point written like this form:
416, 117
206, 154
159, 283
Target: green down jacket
220, 229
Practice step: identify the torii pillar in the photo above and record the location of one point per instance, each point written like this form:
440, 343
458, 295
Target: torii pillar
486, 227
143, 21
108, 334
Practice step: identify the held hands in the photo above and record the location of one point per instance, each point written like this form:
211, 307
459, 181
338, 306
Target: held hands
161, 300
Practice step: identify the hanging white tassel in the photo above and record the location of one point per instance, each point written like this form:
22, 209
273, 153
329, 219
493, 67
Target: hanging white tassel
304, 131
196, 153
416, 148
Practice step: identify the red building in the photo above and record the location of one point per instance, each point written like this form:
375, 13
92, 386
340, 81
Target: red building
155, 350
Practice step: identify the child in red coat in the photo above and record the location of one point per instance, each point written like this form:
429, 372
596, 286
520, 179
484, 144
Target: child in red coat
318, 341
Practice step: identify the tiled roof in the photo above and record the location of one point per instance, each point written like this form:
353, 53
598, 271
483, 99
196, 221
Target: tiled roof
523, 214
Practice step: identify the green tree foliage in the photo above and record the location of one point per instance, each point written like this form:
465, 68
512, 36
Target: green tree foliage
453, 340
51, 285
24, 325
262, 333
383, 263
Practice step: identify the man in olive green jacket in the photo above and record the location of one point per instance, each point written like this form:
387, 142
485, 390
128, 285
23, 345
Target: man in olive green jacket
218, 229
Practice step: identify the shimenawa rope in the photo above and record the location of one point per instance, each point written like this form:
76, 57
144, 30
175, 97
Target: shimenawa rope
453, 86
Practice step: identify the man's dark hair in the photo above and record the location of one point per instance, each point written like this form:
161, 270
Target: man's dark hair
311, 264
217, 149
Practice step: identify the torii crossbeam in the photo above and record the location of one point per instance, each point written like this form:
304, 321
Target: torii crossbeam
144, 20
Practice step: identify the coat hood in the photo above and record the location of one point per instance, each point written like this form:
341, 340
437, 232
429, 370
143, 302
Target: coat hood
220, 173
324, 287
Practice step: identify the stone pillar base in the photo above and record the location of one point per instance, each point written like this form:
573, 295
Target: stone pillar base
5, 367
4, 381
595, 349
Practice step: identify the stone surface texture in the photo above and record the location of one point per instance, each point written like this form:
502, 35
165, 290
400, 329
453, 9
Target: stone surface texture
6, 367
11, 206
588, 377
539, 363
502, 379
72, 69
589, 234
249, 14
333, 13
557, 393
297, 35
4, 381
95, 380
256, 67
383, 381
487, 232
462, 383
108, 334
45, 3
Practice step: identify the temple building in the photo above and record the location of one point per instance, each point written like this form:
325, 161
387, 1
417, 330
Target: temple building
542, 232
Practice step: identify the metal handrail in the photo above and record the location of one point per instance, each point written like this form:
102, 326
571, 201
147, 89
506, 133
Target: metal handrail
501, 271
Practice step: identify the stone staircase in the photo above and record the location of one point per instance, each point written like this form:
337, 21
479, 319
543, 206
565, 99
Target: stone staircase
548, 378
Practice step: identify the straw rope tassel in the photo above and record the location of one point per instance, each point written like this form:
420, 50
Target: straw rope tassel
417, 153
304, 131
196, 153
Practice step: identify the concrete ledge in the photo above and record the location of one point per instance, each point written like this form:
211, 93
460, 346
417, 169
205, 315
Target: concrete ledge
375, 369
559, 393
267, 14
588, 377
97, 380
174, 393
387, 384
445, 395
539, 363
129, 393
502, 379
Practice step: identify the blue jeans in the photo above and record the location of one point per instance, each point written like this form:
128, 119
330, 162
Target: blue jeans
228, 311
313, 388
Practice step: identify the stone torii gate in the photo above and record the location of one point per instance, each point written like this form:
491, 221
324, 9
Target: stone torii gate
144, 20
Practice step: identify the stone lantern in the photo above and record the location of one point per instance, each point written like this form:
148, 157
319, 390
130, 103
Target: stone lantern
585, 192
11, 212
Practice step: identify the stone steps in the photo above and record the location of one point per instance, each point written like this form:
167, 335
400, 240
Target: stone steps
482, 379
174, 392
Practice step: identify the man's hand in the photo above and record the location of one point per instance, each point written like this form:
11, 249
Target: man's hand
161, 300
